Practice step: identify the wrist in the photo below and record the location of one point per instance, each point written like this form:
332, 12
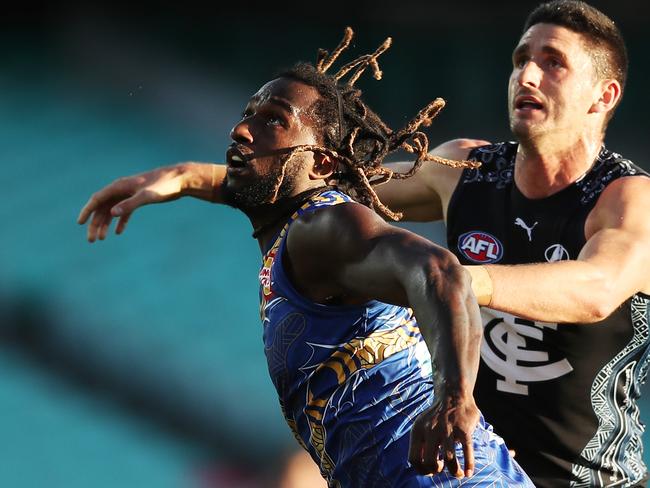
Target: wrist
482, 285
197, 180
455, 388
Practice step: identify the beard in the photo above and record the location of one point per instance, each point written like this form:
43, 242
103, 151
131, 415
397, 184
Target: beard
260, 192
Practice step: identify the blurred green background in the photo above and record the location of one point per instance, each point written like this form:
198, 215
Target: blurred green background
138, 361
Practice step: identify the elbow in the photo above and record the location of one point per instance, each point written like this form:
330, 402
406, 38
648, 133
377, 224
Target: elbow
598, 312
599, 304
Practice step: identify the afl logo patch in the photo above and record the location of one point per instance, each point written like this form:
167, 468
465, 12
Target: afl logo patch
480, 247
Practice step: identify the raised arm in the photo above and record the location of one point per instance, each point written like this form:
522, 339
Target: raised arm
348, 251
613, 265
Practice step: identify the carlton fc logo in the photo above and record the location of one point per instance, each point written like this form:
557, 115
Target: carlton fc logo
480, 247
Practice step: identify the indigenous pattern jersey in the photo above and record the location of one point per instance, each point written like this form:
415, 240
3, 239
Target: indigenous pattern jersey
563, 396
351, 380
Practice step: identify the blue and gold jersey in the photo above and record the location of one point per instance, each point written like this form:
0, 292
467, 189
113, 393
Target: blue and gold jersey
352, 379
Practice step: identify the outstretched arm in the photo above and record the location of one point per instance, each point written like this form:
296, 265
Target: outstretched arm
423, 197
613, 265
360, 257
123, 196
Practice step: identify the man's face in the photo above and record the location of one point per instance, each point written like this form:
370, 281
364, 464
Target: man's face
277, 118
553, 83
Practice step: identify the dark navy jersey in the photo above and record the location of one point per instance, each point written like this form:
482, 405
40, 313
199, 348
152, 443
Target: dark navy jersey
352, 379
563, 396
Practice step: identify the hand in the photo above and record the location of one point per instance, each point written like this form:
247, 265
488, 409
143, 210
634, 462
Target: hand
123, 196
435, 433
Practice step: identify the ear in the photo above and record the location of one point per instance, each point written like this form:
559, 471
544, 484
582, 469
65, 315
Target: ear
324, 166
608, 93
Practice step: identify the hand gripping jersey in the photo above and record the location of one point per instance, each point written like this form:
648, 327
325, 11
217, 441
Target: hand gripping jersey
351, 380
563, 396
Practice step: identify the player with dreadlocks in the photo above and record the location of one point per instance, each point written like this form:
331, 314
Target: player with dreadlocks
340, 289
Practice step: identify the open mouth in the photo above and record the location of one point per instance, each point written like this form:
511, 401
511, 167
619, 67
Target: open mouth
235, 158
528, 103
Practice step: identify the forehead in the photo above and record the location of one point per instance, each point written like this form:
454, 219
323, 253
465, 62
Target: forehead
292, 95
540, 36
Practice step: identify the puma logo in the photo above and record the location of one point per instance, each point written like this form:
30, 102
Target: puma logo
529, 230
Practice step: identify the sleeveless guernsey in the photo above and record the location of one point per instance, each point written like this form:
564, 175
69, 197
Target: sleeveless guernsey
352, 379
563, 396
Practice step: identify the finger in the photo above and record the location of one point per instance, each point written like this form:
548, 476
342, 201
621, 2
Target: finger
512, 452
451, 461
93, 227
121, 224
105, 225
128, 205
415, 446
99, 198
87, 209
432, 463
468, 451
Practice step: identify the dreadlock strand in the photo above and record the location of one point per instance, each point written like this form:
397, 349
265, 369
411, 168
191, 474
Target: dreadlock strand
350, 142
350, 66
375, 202
453, 163
371, 61
343, 45
320, 59
278, 183
423, 117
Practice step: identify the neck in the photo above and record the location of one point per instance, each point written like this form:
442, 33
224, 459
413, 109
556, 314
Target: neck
545, 167
269, 218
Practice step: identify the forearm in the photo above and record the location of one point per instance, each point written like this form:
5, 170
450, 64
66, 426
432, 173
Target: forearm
450, 326
563, 292
202, 180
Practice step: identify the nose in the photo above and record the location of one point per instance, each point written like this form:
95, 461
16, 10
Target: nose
241, 132
529, 74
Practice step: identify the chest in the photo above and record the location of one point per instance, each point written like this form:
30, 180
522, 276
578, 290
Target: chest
499, 226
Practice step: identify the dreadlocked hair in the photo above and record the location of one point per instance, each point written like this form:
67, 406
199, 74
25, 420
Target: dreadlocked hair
356, 136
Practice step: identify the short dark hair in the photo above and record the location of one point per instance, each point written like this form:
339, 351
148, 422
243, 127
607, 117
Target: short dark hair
600, 33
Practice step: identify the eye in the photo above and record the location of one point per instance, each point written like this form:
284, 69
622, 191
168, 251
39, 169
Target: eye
275, 121
555, 63
246, 113
519, 61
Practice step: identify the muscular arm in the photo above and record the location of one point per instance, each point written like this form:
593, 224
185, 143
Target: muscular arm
349, 251
613, 265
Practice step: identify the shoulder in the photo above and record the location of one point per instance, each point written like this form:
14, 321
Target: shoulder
318, 242
627, 191
333, 226
622, 204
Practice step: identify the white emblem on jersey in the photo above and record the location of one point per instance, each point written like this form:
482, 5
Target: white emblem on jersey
556, 252
510, 359
529, 230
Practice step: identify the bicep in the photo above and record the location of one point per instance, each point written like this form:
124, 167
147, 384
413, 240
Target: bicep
358, 255
618, 232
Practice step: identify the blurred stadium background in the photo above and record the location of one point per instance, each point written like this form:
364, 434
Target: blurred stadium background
138, 361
